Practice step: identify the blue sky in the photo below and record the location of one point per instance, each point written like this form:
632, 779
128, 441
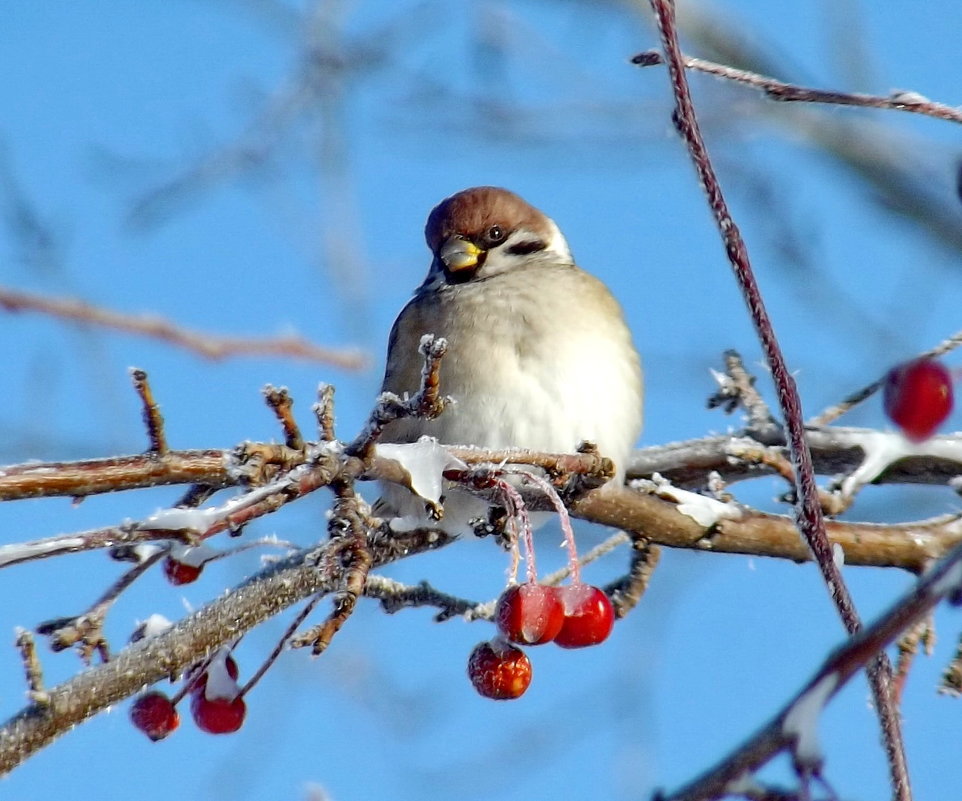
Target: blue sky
104, 104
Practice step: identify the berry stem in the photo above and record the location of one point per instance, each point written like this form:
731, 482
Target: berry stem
279, 647
565, 521
518, 512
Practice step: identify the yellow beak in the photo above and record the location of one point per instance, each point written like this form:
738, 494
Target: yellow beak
459, 254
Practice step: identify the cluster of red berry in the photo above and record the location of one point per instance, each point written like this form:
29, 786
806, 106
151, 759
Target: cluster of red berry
216, 704
575, 616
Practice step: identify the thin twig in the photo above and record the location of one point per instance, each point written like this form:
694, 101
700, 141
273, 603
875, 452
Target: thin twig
737, 388
395, 596
921, 634
426, 402
951, 683
153, 419
616, 540
324, 410
31, 667
281, 403
353, 558
95, 476
788, 92
281, 644
834, 412
207, 345
810, 519
627, 591
86, 629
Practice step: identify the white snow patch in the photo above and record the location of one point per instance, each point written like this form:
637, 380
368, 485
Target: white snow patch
156, 624
35, 550
318, 449
424, 461
144, 550
881, 449
201, 520
192, 555
196, 520
703, 510
220, 684
152, 626
801, 722
907, 97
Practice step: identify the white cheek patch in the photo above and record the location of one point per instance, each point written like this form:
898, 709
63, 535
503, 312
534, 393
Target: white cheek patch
557, 244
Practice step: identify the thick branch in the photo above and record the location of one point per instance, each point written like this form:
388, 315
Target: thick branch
192, 639
912, 546
835, 451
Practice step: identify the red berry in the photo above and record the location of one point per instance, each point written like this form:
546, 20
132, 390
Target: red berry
918, 397
589, 616
178, 572
499, 671
154, 715
217, 715
529, 614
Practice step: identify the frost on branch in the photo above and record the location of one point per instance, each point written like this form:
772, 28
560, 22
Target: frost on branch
267, 476
706, 512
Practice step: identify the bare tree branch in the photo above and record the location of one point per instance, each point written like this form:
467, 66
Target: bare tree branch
943, 581
209, 346
810, 519
168, 654
775, 89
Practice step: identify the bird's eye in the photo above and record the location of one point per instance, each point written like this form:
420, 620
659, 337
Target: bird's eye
495, 235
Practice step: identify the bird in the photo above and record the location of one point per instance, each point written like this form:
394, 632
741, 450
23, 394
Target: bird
539, 355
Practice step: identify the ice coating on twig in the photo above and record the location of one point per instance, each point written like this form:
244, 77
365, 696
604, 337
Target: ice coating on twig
425, 462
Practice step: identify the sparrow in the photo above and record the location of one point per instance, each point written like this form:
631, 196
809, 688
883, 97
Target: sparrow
539, 355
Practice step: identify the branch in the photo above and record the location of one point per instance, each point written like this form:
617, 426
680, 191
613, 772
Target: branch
209, 346
775, 89
834, 412
911, 546
835, 451
810, 519
168, 654
781, 733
